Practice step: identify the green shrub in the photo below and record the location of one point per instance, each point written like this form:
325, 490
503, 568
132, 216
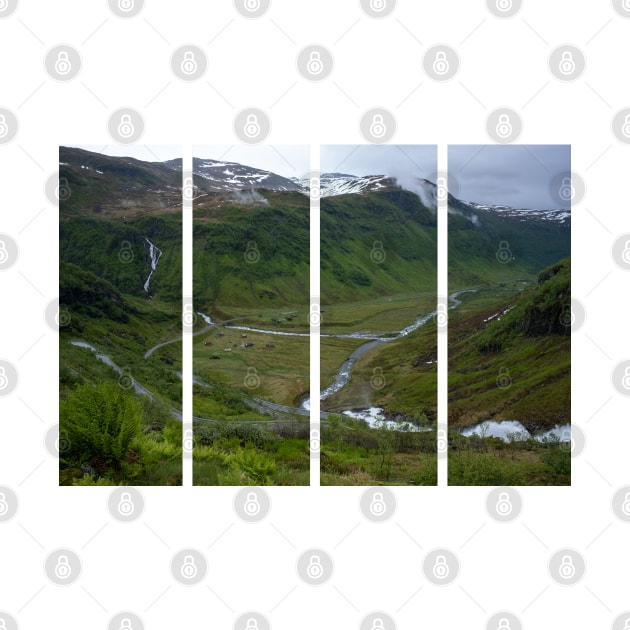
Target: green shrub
100, 422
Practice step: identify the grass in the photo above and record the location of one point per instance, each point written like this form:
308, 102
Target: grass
352, 454
476, 461
279, 374
237, 453
515, 366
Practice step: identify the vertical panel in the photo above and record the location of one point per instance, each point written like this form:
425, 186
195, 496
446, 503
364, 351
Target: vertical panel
120, 277
251, 315
510, 316
378, 302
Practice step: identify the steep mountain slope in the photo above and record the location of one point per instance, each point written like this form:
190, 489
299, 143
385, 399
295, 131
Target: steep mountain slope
101, 186
511, 359
489, 243
376, 244
251, 254
218, 176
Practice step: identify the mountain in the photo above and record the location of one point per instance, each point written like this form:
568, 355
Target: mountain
492, 243
341, 184
220, 176
102, 186
375, 244
510, 356
253, 259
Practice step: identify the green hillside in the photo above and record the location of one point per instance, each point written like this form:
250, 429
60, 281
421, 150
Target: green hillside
529, 346
533, 243
251, 255
354, 228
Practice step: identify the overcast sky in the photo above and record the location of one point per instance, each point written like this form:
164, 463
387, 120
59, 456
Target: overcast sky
401, 161
515, 175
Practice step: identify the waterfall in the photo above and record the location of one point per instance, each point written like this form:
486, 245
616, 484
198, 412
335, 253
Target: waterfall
155, 254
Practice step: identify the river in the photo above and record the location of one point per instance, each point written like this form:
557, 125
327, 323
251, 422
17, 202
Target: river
345, 371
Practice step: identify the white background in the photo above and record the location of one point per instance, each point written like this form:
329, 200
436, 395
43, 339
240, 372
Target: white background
377, 63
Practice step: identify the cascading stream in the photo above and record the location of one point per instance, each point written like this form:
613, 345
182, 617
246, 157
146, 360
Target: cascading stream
155, 253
